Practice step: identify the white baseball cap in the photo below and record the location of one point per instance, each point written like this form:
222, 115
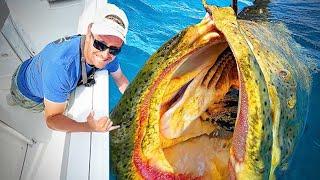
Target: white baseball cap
107, 19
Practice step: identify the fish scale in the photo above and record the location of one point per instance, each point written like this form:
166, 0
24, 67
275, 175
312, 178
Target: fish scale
290, 126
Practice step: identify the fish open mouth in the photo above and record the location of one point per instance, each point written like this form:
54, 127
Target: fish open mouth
199, 111
217, 101
192, 121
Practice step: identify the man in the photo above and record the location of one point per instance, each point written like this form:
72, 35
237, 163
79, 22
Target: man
45, 81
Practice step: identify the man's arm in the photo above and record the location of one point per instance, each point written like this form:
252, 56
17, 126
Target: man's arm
57, 121
120, 79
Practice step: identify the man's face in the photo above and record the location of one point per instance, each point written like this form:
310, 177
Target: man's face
100, 58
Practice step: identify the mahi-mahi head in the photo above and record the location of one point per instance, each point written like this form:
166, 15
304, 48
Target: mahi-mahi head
223, 99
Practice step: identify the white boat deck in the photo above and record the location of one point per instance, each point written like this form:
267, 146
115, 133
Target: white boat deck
29, 150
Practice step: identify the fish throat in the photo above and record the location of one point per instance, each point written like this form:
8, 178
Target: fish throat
193, 112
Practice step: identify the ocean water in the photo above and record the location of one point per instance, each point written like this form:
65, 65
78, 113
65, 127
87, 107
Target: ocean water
302, 18
152, 22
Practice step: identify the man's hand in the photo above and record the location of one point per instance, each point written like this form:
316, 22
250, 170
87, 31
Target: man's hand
207, 18
101, 125
56, 120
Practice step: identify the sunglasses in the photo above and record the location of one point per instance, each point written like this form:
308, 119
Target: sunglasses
102, 47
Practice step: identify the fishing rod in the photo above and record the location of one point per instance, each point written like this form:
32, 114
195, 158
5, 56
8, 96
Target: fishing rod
234, 6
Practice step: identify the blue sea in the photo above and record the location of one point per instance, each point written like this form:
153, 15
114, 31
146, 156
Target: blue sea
153, 22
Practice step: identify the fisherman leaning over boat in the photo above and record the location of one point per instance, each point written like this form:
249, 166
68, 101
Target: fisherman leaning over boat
45, 81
